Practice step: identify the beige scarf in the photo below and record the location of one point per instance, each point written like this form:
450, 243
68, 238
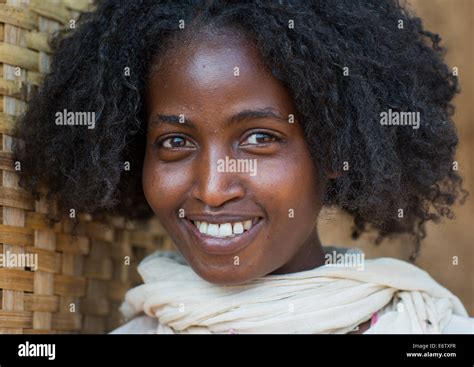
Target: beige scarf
327, 299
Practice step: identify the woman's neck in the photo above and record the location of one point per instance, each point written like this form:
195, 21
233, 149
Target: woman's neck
309, 256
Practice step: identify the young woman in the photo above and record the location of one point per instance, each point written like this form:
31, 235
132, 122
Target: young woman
237, 121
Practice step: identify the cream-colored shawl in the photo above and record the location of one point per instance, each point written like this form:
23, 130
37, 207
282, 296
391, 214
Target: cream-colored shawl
323, 300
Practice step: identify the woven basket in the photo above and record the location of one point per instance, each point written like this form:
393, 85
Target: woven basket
82, 277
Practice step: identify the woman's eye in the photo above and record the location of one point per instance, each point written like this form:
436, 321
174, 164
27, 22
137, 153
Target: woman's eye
259, 138
176, 142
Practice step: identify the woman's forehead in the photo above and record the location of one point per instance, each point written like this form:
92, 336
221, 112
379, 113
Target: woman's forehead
208, 59
220, 71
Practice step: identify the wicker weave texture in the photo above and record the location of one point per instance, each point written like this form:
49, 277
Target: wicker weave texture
81, 277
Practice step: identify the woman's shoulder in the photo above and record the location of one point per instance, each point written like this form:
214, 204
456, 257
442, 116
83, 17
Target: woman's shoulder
139, 325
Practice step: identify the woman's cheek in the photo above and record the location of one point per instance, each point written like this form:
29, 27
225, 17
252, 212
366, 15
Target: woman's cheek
165, 186
276, 181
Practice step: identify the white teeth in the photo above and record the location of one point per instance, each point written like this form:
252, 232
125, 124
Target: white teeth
238, 228
202, 227
213, 230
224, 229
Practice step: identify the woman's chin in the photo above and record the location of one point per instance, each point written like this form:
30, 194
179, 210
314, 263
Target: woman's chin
224, 276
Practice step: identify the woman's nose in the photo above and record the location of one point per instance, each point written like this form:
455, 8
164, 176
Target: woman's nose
216, 182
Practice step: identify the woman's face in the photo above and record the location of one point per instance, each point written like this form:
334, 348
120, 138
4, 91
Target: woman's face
226, 170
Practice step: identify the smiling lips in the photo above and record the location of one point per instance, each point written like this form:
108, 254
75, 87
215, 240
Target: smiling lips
229, 236
221, 230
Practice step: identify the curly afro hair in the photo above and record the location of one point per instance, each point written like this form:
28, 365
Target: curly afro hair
343, 62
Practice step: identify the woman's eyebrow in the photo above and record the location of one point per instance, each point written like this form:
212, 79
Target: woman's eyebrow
249, 114
262, 113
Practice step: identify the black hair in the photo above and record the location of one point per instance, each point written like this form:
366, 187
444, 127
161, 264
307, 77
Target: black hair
344, 63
